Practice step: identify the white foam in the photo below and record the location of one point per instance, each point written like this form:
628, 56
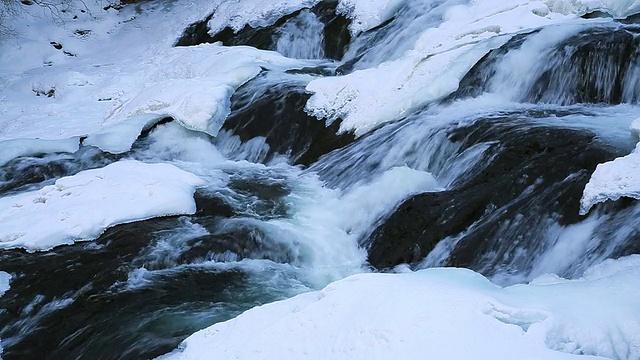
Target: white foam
82, 206
438, 314
11, 149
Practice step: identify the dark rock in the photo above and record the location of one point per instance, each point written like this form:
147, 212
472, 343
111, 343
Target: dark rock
476, 81
599, 65
242, 242
589, 68
533, 174
278, 115
211, 205
336, 33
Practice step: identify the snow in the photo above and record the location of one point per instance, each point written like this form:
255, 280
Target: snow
617, 8
11, 149
614, 179
237, 14
48, 94
439, 313
119, 138
82, 206
368, 14
431, 70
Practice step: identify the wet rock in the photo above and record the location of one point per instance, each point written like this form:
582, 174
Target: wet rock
335, 39
533, 175
242, 242
597, 66
278, 115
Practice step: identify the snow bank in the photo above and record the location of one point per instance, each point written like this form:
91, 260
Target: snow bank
431, 70
11, 149
198, 101
614, 179
58, 82
82, 206
439, 314
237, 14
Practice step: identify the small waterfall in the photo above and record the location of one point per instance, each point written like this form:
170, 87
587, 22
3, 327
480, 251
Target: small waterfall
563, 65
501, 215
301, 37
309, 33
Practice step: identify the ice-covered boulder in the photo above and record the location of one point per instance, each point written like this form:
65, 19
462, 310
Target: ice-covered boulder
82, 206
440, 313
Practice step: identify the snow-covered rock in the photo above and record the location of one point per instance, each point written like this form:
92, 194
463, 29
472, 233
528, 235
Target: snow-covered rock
439, 314
119, 138
77, 80
11, 149
614, 179
432, 69
237, 14
82, 206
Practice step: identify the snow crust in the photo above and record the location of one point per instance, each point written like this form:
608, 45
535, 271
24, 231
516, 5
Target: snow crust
439, 313
614, 179
82, 206
237, 14
119, 138
11, 149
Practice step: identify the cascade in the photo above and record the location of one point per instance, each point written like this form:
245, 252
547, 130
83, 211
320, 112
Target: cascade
487, 175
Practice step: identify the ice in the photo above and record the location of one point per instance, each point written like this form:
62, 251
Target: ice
82, 206
614, 179
11, 149
119, 138
431, 70
439, 313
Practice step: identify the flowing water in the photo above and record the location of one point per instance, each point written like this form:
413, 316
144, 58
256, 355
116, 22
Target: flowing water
489, 178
